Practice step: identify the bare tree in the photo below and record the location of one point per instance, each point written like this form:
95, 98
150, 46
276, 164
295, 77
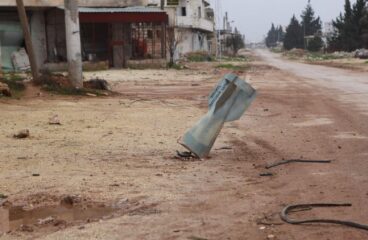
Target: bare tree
174, 38
235, 42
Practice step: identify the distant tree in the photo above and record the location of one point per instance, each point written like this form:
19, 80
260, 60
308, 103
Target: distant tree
274, 36
235, 41
312, 26
280, 34
173, 39
364, 23
271, 38
351, 28
315, 44
294, 35
359, 14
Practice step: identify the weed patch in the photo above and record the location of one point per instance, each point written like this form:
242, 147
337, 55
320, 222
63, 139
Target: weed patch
233, 67
199, 56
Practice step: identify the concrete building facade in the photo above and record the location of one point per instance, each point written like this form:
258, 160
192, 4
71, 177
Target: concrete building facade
114, 31
194, 24
119, 32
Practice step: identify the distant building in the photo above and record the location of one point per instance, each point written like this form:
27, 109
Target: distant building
193, 22
225, 33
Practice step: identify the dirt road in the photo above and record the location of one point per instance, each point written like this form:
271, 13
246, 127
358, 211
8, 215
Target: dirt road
118, 151
350, 85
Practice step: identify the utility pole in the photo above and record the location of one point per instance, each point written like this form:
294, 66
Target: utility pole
27, 36
73, 43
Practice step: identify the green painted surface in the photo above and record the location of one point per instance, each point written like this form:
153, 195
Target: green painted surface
11, 39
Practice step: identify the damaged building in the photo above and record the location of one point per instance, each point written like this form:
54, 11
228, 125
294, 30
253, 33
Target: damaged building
113, 33
194, 24
127, 33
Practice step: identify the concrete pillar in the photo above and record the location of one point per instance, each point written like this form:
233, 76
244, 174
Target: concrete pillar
73, 43
38, 34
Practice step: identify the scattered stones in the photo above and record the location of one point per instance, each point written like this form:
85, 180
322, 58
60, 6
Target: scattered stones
45, 221
54, 120
26, 228
91, 95
5, 90
271, 236
70, 201
22, 134
36, 175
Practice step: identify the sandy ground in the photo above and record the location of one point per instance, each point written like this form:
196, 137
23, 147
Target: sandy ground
120, 149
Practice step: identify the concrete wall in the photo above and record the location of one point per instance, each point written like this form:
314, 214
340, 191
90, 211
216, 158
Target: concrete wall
84, 3
191, 41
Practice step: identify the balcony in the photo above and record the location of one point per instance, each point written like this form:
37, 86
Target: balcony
196, 23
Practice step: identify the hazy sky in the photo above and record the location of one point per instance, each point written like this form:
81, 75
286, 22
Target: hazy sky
254, 17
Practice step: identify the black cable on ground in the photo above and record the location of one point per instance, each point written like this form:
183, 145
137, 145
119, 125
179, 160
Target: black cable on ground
290, 208
296, 161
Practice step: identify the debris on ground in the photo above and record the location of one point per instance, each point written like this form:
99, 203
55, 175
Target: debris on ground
3, 199
26, 228
186, 156
267, 174
224, 148
45, 221
98, 84
196, 238
290, 208
54, 120
5, 90
227, 103
91, 95
52, 80
20, 60
22, 134
283, 162
361, 53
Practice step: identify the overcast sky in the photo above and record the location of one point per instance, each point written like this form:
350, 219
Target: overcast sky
254, 17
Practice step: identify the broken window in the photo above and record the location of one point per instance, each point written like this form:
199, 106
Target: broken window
149, 34
184, 11
199, 12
